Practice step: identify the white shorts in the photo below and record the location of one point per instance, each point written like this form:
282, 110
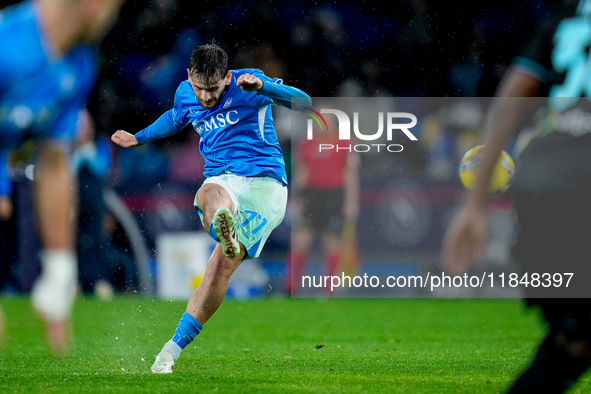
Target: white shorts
260, 204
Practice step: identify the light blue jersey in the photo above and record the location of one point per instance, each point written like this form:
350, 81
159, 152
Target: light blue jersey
41, 92
238, 135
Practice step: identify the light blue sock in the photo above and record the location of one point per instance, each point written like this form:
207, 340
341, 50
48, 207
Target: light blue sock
212, 232
187, 330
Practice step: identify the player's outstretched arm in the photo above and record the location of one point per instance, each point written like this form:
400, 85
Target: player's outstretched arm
164, 126
124, 139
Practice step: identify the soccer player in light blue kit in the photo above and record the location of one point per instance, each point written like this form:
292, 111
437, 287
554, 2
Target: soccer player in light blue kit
244, 196
47, 70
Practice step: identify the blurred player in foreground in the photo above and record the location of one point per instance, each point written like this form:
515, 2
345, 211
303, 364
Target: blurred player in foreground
245, 195
552, 193
47, 70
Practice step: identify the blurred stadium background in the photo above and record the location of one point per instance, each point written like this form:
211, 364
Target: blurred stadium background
411, 48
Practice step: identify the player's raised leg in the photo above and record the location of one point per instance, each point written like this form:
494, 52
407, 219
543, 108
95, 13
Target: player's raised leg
217, 208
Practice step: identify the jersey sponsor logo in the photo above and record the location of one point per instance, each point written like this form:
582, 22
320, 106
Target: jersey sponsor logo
216, 121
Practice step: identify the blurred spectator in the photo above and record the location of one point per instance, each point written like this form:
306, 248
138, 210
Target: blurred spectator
369, 83
262, 56
146, 165
151, 74
322, 40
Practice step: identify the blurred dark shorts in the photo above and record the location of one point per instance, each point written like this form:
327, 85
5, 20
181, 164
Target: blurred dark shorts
323, 209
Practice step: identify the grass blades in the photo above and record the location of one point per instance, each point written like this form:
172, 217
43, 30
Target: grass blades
275, 345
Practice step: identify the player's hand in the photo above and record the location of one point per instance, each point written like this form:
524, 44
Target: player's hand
249, 83
464, 240
124, 139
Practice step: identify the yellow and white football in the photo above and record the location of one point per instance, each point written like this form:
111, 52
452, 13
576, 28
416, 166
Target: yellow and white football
502, 173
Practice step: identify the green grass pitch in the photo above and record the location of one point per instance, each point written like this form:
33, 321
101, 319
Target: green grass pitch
273, 345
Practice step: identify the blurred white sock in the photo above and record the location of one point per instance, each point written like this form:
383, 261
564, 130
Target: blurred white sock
54, 291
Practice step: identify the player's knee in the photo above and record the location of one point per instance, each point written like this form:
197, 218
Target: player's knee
211, 197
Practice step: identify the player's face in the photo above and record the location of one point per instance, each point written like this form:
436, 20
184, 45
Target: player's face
209, 95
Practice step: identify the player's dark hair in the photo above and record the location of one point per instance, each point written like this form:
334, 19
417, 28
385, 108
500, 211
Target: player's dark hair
208, 63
